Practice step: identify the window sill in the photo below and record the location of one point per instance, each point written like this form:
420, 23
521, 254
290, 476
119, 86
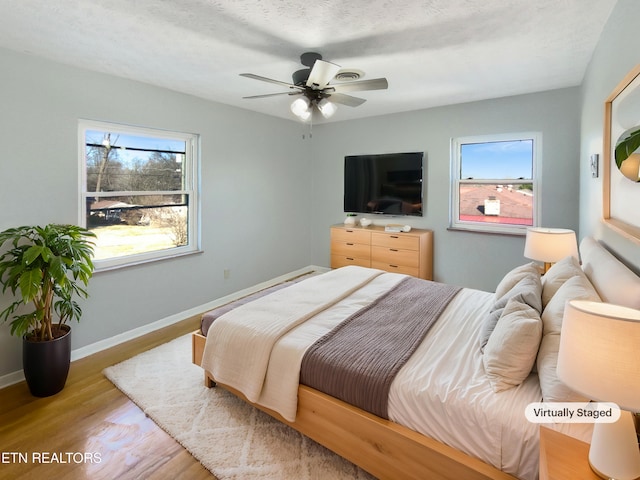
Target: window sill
135, 263
470, 229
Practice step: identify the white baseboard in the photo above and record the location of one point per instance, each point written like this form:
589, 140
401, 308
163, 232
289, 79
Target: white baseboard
15, 377
11, 378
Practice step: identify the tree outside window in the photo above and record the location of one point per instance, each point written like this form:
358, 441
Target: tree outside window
139, 195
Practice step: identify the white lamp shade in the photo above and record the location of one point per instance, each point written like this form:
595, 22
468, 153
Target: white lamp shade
550, 244
600, 352
327, 108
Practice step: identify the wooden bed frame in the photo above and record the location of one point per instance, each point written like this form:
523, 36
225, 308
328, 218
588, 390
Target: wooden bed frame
391, 451
381, 447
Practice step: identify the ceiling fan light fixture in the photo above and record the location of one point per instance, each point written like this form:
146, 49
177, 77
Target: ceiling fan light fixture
315, 90
327, 108
301, 107
305, 115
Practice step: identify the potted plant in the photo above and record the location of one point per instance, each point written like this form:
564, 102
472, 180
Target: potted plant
47, 267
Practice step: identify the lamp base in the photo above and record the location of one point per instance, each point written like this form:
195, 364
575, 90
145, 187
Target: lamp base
614, 452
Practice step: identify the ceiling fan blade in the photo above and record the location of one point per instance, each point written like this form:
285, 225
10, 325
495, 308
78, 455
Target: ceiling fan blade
373, 84
270, 80
321, 74
273, 94
347, 100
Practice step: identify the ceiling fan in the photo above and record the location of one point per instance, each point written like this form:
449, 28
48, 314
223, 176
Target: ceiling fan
313, 84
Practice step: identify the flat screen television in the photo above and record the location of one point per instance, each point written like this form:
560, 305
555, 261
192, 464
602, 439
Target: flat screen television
389, 183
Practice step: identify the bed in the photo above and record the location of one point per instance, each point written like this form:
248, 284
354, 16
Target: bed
455, 406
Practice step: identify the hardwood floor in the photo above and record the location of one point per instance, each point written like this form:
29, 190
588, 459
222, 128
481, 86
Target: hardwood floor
91, 430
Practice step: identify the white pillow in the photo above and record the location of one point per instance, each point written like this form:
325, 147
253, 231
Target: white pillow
559, 273
528, 288
523, 284
512, 347
553, 389
488, 326
514, 276
576, 288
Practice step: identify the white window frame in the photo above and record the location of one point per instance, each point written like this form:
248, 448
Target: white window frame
191, 188
456, 166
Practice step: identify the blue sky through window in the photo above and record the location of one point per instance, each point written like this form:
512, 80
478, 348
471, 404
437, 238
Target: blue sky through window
497, 160
126, 142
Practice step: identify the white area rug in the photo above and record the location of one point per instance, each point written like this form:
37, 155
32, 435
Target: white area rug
230, 438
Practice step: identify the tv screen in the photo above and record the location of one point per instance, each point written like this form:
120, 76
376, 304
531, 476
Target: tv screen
386, 183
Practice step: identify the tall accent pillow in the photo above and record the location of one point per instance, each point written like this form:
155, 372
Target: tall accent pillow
559, 273
512, 347
576, 288
553, 389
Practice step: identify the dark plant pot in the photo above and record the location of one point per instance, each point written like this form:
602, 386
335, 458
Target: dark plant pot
46, 364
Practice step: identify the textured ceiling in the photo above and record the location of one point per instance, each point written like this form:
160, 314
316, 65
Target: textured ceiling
433, 52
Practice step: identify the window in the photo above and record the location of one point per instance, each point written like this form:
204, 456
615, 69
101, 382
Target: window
139, 192
493, 182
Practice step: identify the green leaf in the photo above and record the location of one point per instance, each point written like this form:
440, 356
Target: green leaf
32, 254
58, 271
30, 282
627, 147
23, 323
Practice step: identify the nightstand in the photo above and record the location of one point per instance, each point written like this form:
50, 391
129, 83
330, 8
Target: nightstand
563, 457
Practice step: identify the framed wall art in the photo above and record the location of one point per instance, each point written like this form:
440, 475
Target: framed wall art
621, 162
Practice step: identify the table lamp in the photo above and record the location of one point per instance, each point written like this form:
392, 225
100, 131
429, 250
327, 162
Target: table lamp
600, 358
550, 245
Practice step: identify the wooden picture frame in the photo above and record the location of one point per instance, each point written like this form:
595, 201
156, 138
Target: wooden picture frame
616, 191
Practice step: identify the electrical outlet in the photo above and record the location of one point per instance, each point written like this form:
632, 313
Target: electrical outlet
227, 273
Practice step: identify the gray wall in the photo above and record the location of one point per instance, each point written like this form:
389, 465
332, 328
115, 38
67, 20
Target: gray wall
463, 258
617, 53
255, 171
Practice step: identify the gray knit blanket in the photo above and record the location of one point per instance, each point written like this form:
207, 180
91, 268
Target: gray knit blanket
357, 361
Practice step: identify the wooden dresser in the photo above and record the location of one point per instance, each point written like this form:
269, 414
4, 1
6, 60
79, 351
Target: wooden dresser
410, 253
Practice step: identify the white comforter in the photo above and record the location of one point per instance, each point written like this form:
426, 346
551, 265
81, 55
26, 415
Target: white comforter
441, 392
447, 374
240, 343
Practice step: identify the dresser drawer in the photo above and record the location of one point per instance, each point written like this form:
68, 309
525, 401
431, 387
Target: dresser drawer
350, 235
409, 253
338, 261
394, 256
348, 249
395, 240
396, 268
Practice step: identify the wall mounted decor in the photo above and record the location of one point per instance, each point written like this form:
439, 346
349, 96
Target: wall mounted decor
621, 190
594, 161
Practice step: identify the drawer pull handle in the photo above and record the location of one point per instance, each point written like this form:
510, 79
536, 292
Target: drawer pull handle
394, 236
393, 249
350, 259
393, 266
350, 244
